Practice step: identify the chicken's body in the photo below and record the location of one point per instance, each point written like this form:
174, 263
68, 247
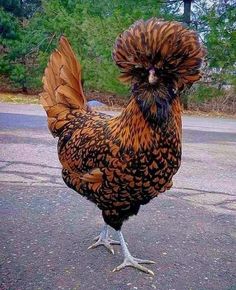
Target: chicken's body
120, 163
101, 162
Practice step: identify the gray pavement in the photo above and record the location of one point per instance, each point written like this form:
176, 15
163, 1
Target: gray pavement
46, 228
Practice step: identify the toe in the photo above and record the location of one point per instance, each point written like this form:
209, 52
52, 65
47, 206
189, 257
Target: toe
93, 246
141, 261
113, 242
96, 238
143, 269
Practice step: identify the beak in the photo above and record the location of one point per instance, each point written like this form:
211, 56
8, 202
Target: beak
152, 78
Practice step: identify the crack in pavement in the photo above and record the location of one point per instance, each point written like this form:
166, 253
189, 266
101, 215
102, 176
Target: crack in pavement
201, 191
29, 163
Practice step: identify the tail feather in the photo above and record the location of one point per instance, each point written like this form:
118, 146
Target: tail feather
62, 90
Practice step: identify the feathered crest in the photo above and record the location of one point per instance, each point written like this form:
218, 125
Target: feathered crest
174, 51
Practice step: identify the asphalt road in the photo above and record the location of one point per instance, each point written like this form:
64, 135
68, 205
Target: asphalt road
46, 228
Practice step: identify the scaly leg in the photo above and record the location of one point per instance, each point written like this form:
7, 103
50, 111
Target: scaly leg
130, 261
104, 240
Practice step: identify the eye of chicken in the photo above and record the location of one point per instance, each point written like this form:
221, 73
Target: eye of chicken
120, 163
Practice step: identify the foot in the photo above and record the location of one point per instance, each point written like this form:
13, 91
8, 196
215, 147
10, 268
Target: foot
104, 240
130, 261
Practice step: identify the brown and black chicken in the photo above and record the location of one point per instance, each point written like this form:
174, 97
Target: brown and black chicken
120, 163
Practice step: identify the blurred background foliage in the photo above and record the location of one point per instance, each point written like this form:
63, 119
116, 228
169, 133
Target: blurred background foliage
30, 29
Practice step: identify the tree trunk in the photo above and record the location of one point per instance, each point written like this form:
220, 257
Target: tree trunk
187, 20
187, 11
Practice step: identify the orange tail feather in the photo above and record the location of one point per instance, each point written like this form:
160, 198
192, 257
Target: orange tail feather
62, 90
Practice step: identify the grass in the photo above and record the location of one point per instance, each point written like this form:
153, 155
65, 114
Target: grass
18, 98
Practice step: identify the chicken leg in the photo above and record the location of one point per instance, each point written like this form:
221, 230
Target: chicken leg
104, 240
130, 261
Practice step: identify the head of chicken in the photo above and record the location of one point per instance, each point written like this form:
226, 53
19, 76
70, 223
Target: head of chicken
159, 59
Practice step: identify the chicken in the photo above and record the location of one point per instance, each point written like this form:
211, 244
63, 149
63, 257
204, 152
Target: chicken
120, 163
